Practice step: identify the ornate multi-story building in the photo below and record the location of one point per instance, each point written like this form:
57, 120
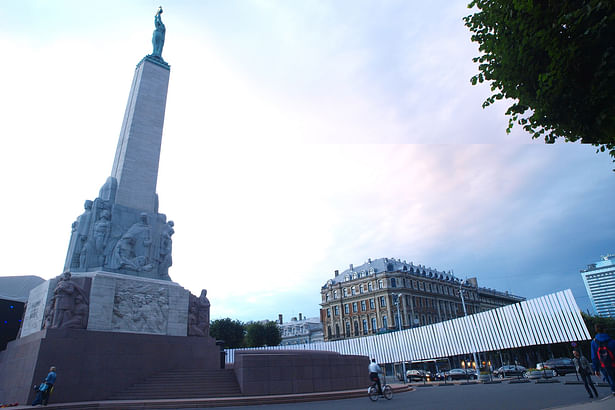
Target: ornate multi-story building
369, 298
302, 331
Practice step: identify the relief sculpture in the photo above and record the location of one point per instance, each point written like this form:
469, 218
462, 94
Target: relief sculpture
142, 309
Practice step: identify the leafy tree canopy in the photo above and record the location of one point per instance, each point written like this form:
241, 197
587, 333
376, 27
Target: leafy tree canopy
591, 321
231, 331
262, 334
556, 59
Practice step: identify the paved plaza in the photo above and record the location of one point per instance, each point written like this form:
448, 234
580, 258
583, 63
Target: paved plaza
503, 396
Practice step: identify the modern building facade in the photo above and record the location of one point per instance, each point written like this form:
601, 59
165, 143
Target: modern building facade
599, 279
302, 331
387, 294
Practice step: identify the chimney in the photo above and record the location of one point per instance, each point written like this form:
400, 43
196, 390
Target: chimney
351, 267
337, 272
280, 318
300, 316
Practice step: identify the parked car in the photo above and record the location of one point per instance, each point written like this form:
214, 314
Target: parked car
460, 374
538, 374
560, 366
418, 375
509, 370
439, 375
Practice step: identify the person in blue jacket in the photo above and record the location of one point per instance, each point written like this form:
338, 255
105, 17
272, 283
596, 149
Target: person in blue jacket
603, 356
44, 389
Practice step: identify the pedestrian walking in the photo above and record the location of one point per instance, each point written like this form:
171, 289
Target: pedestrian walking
603, 356
585, 371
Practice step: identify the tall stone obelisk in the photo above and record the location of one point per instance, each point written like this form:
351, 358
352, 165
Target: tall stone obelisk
121, 231
138, 150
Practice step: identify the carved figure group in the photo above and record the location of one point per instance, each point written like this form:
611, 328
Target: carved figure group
198, 315
132, 250
69, 306
144, 310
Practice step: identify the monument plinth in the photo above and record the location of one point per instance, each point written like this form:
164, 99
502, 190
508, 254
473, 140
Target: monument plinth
115, 297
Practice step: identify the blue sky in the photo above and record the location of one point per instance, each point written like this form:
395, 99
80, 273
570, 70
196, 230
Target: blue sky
300, 137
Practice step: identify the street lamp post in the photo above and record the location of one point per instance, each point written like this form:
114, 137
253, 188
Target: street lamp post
403, 363
465, 312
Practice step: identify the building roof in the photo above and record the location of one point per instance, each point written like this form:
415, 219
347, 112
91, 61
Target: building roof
605, 262
18, 287
388, 265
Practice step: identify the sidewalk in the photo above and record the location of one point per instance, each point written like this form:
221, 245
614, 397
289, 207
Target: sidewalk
212, 402
604, 403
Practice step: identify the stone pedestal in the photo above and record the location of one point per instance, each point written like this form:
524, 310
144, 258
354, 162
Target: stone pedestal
95, 365
117, 303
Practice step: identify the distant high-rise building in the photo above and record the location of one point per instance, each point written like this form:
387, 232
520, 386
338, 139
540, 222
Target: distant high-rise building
599, 279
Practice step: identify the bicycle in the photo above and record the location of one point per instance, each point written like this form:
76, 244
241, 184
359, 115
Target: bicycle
387, 391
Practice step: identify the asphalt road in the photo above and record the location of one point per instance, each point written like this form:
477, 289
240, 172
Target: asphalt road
502, 396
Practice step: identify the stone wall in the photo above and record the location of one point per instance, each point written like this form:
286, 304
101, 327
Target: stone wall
298, 371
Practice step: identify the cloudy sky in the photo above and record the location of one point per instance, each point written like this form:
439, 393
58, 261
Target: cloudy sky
300, 137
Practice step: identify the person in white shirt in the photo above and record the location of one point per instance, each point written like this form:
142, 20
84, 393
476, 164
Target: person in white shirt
374, 369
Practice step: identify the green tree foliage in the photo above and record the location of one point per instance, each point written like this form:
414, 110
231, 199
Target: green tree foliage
607, 322
231, 331
259, 334
556, 59
273, 335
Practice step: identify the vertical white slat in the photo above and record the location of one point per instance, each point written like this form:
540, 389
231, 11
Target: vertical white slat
520, 324
494, 322
530, 323
568, 318
505, 331
549, 326
558, 312
542, 325
577, 314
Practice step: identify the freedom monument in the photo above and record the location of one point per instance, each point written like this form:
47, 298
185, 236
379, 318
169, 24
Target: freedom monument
114, 323
115, 311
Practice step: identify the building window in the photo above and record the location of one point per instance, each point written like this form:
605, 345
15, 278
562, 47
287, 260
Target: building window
363, 306
361, 288
346, 308
374, 325
328, 312
393, 283
421, 286
336, 310
364, 326
372, 303
356, 328
414, 286
352, 292
337, 330
383, 301
380, 284
354, 307
327, 297
384, 322
347, 329
345, 292
369, 286
335, 294
329, 331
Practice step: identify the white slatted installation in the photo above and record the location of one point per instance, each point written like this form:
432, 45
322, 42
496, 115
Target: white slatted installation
553, 318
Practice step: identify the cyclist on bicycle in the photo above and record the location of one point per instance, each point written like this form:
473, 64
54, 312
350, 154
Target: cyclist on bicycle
374, 369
